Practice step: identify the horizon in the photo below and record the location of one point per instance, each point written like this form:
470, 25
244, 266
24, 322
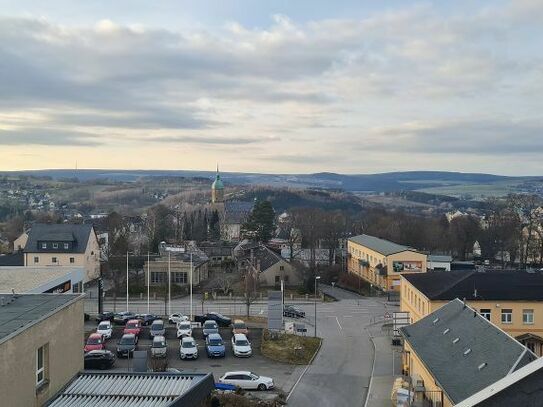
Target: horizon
277, 88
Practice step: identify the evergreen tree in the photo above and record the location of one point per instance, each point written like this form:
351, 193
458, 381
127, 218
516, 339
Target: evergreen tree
260, 223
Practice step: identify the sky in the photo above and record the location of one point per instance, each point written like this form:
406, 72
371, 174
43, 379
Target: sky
272, 86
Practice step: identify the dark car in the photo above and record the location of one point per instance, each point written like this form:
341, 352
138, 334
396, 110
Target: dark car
293, 312
99, 359
147, 319
105, 316
122, 318
221, 320
127, 345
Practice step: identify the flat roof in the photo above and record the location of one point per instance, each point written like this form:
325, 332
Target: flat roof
28, 279
20, 311
382, 246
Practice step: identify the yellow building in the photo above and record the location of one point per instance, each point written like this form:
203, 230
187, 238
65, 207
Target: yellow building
454, 353
41, 346
381, 262
513, 301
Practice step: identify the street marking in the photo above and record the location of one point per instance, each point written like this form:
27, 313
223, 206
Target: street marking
347, 316
337, 320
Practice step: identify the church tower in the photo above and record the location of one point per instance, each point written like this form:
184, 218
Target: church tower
217, 189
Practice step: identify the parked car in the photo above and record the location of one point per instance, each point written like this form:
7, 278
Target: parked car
239, 327
147, 319
157, 328
241, 346
105, 316
188, 348
221, 320
293, 312
122, 318
127, 345
159, 349
105, 329
210, 327
247, 380
99, 359
215, 346
176, 318
184, 329
95, 341
133, 326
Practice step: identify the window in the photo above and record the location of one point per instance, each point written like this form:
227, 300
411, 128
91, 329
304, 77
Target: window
66, 246
72, 260
180, 278
55, 245
36, 259
44, 245
507, 316
528, 316
53, 259
40, 365
157, 277
281, 268
486, 312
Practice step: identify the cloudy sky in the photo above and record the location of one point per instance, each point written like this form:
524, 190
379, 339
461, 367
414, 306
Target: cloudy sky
272, 86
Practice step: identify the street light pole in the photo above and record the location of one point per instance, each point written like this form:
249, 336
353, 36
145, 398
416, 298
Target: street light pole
148, 283
127, 280
190, 281
169, 285
316, 278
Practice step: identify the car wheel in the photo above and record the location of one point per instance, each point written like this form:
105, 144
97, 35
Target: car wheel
262, 387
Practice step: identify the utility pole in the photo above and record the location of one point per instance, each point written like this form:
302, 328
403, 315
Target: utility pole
190, 283
169, 285
127, 280
316, 278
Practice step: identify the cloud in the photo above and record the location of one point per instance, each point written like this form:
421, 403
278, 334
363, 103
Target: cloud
209, 140
47, 137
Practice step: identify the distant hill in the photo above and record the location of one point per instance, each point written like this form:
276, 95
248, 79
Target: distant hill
384, 182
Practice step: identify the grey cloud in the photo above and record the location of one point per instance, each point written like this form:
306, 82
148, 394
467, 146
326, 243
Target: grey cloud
47, 137
209, 140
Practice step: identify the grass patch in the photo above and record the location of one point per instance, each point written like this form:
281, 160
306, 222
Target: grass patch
282, 347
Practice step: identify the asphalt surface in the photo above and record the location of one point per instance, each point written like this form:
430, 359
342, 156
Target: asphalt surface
340, 373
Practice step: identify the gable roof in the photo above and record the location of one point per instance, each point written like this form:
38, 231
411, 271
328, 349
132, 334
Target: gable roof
385, 247
482, 354
237, 211
261, 254
472, 285
65, 232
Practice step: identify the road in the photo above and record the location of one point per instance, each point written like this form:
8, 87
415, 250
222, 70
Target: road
339, 375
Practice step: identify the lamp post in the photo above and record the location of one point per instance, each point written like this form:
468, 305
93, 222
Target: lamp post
126, 281
316, 278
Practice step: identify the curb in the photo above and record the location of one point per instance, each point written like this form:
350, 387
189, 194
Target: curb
305, 370
372, 368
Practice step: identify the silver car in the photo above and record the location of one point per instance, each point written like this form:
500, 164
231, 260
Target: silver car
159, 348
210, 327
157, 328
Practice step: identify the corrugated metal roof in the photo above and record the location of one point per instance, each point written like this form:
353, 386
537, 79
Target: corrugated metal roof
382, 246
126, 389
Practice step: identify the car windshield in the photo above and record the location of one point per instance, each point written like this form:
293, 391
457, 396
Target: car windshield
159, 344
184, 326
157, 327
132, 325
242, 342
94, 341
239, 326
103, 326
215, 342
188, 344
126, 340
210, 325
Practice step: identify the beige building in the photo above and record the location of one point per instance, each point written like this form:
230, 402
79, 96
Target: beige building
513, 301
381, 262
40, 346
179, 266
62, 245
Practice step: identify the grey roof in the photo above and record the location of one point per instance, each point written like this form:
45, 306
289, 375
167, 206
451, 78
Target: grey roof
382, 246
456, 366
15, 259
441, 258
65, 232
237, 211
20, 311
135, 390
34, 279
261, 255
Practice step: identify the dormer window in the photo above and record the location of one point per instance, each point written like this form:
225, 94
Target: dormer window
55, 245
66, 246
44, 245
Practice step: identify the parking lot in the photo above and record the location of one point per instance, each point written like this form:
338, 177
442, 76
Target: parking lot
257, 363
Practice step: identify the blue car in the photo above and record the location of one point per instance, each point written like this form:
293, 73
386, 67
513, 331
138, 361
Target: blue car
215, 346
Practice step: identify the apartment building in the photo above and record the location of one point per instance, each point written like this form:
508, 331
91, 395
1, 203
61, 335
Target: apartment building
382, 262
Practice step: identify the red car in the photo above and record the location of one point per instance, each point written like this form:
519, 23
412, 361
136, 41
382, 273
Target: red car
133, 326
94, 342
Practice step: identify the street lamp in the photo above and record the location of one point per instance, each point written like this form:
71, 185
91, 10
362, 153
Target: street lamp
316, 278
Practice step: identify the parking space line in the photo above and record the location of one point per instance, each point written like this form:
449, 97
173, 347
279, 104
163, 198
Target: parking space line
337, 320
347, 316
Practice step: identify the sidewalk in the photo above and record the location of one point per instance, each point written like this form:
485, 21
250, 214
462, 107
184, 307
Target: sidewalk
387, 366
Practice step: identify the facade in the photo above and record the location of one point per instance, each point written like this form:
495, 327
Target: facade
513, 301
381, 262
439, 262
179, 266
454, 352
217, 189
38, 280
40, 346
232, 218
63, 245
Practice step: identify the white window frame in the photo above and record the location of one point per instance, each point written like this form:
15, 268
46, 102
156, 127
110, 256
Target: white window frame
44, 245
505, 314
55, 245
54, 260
40, 370
486, 313
66, 246
525, 313
36, 259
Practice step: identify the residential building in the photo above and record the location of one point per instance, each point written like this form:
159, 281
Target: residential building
217, 252
40, 280
63, 245
439, 262
454, 352
136, 390
232, 218
513, 301
179, 266
381, 262
40, 346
